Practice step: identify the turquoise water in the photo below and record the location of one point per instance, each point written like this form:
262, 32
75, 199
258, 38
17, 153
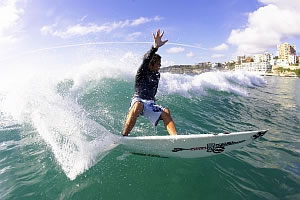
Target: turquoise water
55, 135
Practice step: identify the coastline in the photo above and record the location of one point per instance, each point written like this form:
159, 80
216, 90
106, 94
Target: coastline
280, 75
194, 70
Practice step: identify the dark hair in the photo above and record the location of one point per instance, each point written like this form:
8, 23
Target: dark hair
154, 59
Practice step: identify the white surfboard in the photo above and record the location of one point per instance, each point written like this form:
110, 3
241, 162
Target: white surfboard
189, 146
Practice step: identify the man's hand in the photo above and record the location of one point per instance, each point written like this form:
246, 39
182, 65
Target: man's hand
157, 39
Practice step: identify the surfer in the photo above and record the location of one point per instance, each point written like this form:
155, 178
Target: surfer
146, 84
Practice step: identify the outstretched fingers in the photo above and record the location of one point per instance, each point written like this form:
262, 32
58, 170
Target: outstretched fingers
162, 34
158, 33
164, 42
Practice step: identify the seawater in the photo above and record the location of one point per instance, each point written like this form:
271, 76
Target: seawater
56, 133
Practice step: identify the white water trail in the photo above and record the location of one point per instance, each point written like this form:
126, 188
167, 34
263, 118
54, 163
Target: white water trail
76, 141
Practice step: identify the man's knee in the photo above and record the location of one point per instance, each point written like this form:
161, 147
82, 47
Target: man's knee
167, 111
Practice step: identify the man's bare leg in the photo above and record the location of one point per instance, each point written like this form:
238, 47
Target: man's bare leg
133, 114
168, 121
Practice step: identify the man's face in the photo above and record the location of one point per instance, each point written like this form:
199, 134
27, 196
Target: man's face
156, 66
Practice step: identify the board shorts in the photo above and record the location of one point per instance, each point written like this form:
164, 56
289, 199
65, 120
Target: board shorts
151, 110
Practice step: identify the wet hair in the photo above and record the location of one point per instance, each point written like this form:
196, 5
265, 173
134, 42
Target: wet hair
155, 59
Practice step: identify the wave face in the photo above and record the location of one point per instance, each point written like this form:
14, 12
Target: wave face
59, 127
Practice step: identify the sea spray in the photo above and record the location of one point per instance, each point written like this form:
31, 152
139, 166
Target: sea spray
123, 67
76, 141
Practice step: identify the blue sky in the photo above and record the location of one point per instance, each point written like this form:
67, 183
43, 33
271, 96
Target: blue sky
210, 30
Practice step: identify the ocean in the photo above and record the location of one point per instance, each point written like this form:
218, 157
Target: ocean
56, 130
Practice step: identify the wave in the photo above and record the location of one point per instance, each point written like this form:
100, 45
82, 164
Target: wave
49, 102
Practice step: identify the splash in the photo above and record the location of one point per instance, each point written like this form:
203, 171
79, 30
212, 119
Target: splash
76, 141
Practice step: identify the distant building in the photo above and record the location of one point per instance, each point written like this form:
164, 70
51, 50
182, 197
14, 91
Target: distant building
292, 59
285, 49
281, 62
230, 65
204, 64
260, 67
240, 59
248, 59
258, 58
218, 66
266, 57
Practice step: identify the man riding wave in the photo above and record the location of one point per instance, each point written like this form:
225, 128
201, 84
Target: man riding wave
146, 84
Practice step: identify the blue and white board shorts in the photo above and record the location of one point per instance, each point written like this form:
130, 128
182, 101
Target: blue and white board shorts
151, 110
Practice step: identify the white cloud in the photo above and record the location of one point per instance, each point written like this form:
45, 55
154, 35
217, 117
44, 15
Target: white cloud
190, 54
221, 47
217, 56
157, 18
268, 26
48, 29
143, 20
79, 29
167, 63
289, 4
133, 36
175, 50
9, 20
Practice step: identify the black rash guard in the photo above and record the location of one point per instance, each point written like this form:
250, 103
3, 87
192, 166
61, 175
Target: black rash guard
146, 81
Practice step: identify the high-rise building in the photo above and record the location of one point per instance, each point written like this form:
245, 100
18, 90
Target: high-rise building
285, 49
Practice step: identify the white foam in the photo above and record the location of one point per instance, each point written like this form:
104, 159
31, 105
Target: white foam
123, 66
197, 85
76, 141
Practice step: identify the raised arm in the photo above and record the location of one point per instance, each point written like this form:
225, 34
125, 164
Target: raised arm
157, 42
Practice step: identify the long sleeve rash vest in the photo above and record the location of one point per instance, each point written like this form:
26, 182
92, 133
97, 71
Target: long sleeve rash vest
146, 81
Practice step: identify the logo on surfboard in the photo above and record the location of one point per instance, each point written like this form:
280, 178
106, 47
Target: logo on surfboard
210, 147
258, 134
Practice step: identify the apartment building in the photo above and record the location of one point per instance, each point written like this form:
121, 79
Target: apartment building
285, 49
260, 67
